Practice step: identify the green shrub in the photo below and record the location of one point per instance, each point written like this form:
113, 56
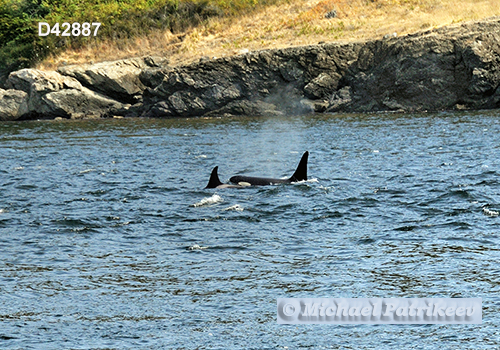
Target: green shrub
20, 45
19, 42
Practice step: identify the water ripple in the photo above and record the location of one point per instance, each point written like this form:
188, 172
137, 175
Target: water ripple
108, 239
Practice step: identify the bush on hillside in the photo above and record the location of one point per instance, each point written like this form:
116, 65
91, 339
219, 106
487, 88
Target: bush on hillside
20, 45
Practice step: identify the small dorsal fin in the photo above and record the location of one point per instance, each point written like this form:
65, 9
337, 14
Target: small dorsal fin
214, 179
300, 173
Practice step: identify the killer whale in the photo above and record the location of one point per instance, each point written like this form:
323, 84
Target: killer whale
240, 181
300, 174
215, 182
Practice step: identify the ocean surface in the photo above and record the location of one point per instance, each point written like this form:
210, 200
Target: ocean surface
108, 239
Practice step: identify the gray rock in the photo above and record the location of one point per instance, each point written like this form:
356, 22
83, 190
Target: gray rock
274, 77
481, 83
152, 77
120, 79
341, 100
51, 95
13, 104
291, 71
160, 110
37, 81
71, 102
245, 107
220, 94
433, 70
155, 61
322, 86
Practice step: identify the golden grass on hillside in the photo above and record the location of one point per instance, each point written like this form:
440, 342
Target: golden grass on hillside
293, 22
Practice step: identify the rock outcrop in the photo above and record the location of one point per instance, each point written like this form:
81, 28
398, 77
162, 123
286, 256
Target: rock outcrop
442, 69
13, 104
119, 79
51, 95
257, 82
454, 67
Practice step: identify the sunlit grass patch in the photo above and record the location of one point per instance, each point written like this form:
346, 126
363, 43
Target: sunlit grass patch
252, 25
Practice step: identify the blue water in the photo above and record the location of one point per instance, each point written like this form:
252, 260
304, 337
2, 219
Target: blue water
108, 239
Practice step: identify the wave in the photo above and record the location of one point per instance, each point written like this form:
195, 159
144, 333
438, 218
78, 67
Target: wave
208, 201
235, 207
489, 212
196, 247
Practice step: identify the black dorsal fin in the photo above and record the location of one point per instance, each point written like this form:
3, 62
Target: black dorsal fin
300, 173
214, 179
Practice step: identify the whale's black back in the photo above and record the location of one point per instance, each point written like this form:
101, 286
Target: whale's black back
300, 174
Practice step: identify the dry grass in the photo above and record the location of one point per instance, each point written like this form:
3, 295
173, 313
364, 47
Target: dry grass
290, 23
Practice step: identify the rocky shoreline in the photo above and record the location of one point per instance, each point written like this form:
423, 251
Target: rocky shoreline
454, 67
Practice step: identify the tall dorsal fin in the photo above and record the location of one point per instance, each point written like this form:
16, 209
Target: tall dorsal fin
300, 173
214, 179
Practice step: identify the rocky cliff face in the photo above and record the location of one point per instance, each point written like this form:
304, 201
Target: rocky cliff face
455, 67
452, 67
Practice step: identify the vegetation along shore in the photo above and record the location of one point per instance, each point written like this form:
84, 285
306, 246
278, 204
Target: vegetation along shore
192, 58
